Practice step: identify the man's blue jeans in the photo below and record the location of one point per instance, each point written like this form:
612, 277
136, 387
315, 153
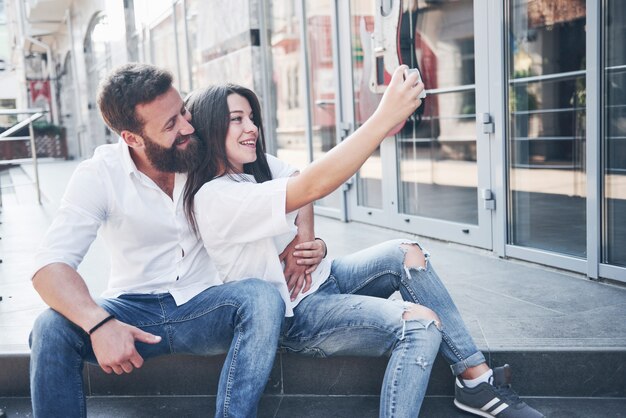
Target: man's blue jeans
242, 319
350, 315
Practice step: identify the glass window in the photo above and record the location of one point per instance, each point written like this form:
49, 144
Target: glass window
163, 45
6, 121
98, 62
546, 141
369, 178
181, 42
194, 53
614, 141
288, 98
321, 83
437, 167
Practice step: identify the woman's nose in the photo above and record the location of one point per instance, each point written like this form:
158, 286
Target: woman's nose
250, 126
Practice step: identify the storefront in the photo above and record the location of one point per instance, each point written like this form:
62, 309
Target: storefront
520, 147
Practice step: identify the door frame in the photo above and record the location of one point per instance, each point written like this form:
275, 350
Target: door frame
389, 216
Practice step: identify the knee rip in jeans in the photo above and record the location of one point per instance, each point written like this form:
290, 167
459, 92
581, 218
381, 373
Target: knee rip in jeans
413, 311
414, 257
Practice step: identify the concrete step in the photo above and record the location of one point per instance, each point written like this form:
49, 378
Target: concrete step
313, 407
540, 373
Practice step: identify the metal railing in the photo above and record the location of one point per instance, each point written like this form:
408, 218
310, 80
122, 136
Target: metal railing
34, 114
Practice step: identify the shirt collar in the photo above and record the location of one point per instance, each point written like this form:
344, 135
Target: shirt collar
130, 167
127, 160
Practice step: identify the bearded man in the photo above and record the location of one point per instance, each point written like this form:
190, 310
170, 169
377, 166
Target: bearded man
164, 295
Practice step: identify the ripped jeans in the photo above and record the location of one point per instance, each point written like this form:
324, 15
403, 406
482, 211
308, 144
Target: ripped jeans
334, 321
351, 315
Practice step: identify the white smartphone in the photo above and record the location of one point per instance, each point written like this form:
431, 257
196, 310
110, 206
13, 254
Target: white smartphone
419, 79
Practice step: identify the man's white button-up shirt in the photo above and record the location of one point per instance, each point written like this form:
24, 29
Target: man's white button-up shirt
152, 248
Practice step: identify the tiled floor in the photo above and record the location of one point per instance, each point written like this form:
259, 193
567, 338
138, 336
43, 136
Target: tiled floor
313, 407
507, 304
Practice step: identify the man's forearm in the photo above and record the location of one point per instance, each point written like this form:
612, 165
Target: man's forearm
65, 291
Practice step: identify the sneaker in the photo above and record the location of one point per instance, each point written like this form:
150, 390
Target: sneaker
493, 399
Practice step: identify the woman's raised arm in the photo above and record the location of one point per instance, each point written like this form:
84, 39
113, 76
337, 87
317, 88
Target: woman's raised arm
325, 174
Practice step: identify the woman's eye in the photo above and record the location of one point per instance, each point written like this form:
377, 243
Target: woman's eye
236, 119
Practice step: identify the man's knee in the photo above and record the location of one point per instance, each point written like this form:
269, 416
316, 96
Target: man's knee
262, 298
50, 327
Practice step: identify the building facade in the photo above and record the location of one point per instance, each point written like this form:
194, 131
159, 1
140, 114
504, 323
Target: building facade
520, 147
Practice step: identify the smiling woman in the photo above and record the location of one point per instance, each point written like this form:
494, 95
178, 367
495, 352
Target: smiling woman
227, 118
260, 199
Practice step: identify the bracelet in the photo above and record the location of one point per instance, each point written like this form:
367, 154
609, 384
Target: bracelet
99, 324
325, 246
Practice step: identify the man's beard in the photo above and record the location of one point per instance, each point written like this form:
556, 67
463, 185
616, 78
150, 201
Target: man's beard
172, 159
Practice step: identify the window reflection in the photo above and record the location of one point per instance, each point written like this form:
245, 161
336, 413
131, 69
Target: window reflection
614, 144
437, 168
288, 99
163, 45
369, 177
181, 51
98, 62
321, 83
547, 125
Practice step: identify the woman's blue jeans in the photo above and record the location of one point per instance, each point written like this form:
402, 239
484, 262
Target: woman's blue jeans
351, 315
380, 271
242, 319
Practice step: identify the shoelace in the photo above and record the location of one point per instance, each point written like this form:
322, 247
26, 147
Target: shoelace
506, 393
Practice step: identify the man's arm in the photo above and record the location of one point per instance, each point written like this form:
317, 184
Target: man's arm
298, 267
65, 291
83, 209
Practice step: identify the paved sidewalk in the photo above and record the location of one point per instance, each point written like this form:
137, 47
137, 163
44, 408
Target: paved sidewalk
508, 305
563, 334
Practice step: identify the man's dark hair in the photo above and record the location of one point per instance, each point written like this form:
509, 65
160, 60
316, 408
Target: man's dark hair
124, 88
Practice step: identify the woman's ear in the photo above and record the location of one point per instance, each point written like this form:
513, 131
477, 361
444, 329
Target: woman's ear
132, 140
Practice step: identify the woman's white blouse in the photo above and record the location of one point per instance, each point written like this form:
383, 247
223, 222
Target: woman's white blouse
244, 228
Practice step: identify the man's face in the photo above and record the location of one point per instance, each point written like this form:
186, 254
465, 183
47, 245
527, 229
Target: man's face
173, 159
169, 140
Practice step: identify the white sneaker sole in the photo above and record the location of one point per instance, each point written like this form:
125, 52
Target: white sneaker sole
471, 410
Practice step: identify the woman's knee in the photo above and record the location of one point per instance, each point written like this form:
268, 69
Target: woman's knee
410, 252
414, 257
421, 312
427, 323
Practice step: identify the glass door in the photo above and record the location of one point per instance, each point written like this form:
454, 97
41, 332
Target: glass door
546, 77
304, 84
433, 177
613, 145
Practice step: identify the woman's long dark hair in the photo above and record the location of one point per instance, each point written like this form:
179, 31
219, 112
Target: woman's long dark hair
210, 116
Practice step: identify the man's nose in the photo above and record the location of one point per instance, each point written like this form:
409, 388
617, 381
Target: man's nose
186, 127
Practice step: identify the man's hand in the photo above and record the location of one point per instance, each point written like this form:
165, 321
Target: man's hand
114, 346
296, 274
310, 254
